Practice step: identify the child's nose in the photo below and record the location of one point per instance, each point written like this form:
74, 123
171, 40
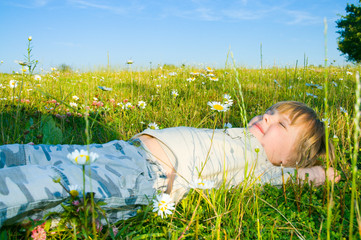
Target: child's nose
267, 118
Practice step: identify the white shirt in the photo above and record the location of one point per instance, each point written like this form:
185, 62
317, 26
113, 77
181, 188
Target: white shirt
231, 156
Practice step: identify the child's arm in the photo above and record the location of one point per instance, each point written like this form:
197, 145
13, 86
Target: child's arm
317, 175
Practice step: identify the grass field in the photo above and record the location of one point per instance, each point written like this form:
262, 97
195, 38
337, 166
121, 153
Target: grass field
69, 108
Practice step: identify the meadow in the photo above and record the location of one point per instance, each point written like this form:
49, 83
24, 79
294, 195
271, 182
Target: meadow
70, 107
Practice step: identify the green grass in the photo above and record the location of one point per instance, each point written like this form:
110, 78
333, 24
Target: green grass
245, 212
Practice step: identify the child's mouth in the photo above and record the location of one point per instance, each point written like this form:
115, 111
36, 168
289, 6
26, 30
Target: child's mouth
259, 128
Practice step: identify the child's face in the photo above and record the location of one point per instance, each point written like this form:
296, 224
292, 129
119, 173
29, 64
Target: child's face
277, 136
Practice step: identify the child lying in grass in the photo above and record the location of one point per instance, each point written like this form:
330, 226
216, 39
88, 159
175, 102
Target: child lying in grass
126, 174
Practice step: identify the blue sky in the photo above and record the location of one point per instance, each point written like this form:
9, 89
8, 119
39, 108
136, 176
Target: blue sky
81, 33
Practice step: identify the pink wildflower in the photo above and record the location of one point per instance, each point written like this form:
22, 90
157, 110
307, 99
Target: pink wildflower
112, 100
98, 104
39, 233
125, 100
76, 203
99, 226
115, 230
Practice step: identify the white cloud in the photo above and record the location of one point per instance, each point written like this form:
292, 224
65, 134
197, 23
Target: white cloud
302, 18
40, 3
206, 14
114, 7
243, 14
207, 10
29, 4
92, 4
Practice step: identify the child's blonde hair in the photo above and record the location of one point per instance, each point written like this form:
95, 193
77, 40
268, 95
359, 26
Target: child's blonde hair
311, 142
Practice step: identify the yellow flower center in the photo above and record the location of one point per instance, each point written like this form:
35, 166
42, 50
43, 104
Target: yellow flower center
74, 193
218, 107
201, 183
162, 206
82, 156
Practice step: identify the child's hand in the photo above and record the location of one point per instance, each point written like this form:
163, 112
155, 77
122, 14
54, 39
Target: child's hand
333, 175
317, 175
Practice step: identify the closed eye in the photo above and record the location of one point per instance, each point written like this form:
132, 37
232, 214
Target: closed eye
283, 125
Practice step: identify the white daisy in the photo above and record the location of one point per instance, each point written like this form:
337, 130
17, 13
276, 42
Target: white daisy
343, 110
130, 61
172, 74
228, 99
163, 205
37, 77
73, 104
83, 157
153, 126
201, 184
174, 93
13, 83
75, 98
128, 105
326, 121
74, 190
141, 104
191, 79
120, 105
217, 106
209, 69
